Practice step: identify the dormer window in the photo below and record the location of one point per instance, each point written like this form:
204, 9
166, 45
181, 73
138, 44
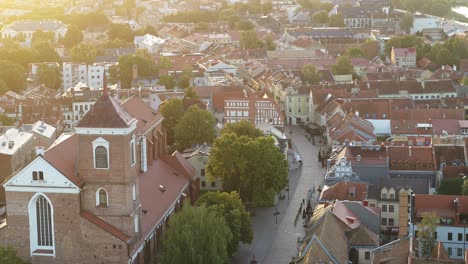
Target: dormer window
101, 153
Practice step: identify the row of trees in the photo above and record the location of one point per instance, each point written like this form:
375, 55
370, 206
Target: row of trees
456, 186
322, 17
222, 215
448, 53
433, 7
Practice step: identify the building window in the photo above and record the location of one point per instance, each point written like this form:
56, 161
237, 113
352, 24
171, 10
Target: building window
384, 221
459, 252
391, 221
203, 184
391, 208
132, 151
449, 251
449, 236
466, 237
392, 196
202, 172
41, 226
100, 155
102, 198
460, 237
134, 192
367, 255
384, 208
38, 175
136, 223
213, 184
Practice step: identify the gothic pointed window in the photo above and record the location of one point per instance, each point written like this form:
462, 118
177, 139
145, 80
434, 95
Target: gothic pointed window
41, 225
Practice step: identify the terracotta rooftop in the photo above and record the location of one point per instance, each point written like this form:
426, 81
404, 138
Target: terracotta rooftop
159, 183
341, 191
442, 205
411, 155
62, 155
404, 52
145, 115
106, 113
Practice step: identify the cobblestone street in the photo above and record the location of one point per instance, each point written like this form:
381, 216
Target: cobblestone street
275, 240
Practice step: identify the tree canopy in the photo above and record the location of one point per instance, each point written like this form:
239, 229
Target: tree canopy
230, 206
83, 52
343, 66
145, 68
250, 40
426, 232
122, 32
309, 74
168, 81
235, 159
197, 126
13, 74
450, 186
73, 36
172, 111
49, 76
196, 235
242, 128
355, 52
433, 7
406, 22
336, 20
5, 120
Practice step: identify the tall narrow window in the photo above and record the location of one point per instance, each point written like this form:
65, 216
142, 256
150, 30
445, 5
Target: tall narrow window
132, 152
101, 198
41, 226
100, 155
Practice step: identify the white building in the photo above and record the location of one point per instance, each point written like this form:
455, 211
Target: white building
149, 42
73, 73
95, 73
421, 22
28, 28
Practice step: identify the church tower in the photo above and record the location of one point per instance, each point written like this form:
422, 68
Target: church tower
107, 164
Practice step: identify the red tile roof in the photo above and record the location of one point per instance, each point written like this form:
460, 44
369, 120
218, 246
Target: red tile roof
413, 155
106, 113
106, 226
160, 186
442, 205
404, 52
62, 155
340, 191
451, 172
178, 162
145, 115
451, 126
464, 65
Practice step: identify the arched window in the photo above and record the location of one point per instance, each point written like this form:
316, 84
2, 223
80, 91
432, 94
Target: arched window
100, 158
102, 198
41, 225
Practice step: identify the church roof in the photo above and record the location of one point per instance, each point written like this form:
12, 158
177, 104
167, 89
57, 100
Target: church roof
106, 113
145, 115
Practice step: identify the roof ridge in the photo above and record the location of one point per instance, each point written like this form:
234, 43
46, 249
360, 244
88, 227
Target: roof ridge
105, 226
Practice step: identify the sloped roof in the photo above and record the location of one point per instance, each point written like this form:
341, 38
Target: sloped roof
62, 155
145, 115
340, 191
362, 236
106, 113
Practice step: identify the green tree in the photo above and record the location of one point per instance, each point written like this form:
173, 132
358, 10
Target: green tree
445, 57
464, 81
406, 41
267, 7
6, 121
114, 74
13, 74
249, 40
269, 43
168, 81
45, 52
122, 32
196, 235
73, 37
230, 207
145, 68
83, 52
320, 17
49, 76
8, 256
309, 74
3, 87
172, 111
336, 20
244, 25
406, 22
184, 79
197, 126
426, 234
242, 128
164, 63
355, 52
450, 186
343, 66
189, 93
41, 36
465, 187
234, 159
229, 15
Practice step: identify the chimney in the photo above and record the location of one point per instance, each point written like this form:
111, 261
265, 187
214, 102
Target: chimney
11, 144
40, 151
365, 203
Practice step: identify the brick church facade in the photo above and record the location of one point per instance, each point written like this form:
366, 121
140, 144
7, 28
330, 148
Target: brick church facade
102, 194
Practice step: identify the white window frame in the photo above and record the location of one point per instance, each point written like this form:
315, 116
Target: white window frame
143, 165
100, 142
134, 192
98, 197
33, 227
136, 224
132, 151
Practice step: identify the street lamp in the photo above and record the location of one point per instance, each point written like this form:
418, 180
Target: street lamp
276, 215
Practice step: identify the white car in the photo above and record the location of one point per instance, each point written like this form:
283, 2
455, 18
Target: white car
298, 158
